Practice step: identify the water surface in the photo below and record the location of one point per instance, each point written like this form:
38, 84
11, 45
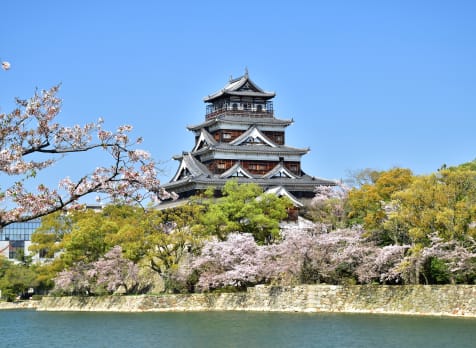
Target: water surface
230, 329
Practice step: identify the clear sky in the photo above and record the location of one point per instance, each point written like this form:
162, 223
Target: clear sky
370, 84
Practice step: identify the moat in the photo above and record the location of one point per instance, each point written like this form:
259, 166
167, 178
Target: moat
26, 328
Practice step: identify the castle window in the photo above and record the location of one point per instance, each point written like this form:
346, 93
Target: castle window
293, 168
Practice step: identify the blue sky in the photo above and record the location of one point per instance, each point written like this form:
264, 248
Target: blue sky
370, 84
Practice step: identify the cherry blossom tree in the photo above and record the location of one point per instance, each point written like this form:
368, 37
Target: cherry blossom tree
114, 271
31, 141
458, 256
74, 280
235, 262
384, 264
107, 274
341, 256
328, 205
300, 257
320, 256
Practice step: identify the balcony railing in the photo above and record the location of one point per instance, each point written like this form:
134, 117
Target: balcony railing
251, 110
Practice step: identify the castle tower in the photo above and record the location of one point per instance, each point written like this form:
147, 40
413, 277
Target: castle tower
241, 139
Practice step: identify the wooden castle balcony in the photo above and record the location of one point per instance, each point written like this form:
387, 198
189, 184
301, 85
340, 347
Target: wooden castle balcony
238, 110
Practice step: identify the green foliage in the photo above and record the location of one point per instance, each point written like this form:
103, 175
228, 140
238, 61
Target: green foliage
159, 239
244, 208
464, 166
437, 271
401, 208
366, 205
395, 207
179, 236
48, 236
15, 279
444, 203
362, 177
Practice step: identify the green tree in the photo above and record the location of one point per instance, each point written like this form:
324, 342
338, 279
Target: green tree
150, 237
87, 240
15, 279
244, 208
371, 204
48, 237
442, 203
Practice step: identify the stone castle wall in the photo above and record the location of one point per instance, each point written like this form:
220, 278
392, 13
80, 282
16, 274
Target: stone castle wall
450, 300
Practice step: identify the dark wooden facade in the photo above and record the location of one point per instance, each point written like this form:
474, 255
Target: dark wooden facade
241, 139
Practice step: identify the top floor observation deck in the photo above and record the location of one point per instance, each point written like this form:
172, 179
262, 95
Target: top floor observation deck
261, 110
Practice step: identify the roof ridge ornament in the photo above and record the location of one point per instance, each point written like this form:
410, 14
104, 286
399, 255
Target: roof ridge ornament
246, 71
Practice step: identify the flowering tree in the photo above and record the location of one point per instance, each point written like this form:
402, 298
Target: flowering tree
457, 257
330, 257
385, 264
300, 257
74, 280
107, 274
114, 271
31, 140
234, 262
328, 205
338, 257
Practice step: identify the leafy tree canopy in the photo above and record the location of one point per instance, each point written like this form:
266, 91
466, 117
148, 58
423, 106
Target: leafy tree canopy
244, 208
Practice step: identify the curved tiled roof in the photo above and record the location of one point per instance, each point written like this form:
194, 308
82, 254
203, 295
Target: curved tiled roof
253, 148
261, 121
190, 168
280, 191
206, 138
304, 183
235, 87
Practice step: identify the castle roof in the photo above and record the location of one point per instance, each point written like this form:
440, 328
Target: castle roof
241, 120
193, 175
252, 148
242, 86
241, 139
280, 191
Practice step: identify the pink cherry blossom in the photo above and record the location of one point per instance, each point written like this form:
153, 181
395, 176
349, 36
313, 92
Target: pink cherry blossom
31, 141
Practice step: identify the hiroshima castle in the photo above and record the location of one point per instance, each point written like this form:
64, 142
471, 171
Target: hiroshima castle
242, 139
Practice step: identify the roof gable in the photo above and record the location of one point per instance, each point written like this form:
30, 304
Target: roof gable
204, 140
189, 167
280, 191
236, 171
280, 171
242, 84
253, 136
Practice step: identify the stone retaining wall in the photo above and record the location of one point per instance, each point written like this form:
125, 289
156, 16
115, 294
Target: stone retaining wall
448, 300
19, 305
